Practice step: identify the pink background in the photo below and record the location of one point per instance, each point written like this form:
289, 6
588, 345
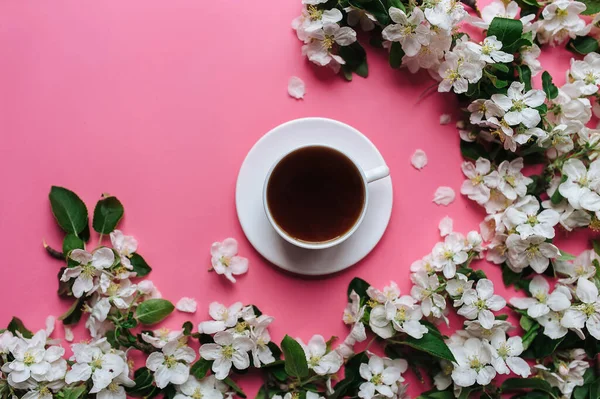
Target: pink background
157, 102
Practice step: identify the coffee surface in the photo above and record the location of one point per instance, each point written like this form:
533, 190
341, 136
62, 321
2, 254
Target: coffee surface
315, 194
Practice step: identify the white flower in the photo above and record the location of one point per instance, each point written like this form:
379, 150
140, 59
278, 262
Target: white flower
424, 291
582, 266
187, 305
430, 56
490, 50
499, 9
148, 289
475, 329
561, 20
446, 14
379, 378
457, 72
581, 184
224, 259
194, 389
473, 360
530, 55
261, 353
508, 179
445, 226
570, 218
7, 342
357, 16
450, 253
227, 351
419, 159
532, 251
172, 365
409, 31
31, 359
568, 106
588, 71
588, 312
478, 303
352, 310
124, 245
505, 355
389, 294
318, 359
115, 389
519, 107
551, 322
96, 362
541, 302
118, 294
474, 187
322, 41
161, 337
40, 390
425, 264
457, 286
482, 110
560, 139
296, 87
224, 317
402, 315
525, 219
89, 267
313, 19
444, 196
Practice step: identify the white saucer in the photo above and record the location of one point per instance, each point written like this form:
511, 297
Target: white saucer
249, 190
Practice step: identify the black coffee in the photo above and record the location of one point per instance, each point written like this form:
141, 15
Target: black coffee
315, 194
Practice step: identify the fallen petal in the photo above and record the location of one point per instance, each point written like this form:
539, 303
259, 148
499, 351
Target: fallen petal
444, 196
419, 159
187, 305
296, 87
445, 226
445, 119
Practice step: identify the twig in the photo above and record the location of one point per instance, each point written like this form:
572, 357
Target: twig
53, 252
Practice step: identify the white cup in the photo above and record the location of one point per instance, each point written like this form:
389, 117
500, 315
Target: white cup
368, 176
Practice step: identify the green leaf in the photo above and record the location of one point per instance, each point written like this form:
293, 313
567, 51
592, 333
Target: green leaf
143, 383
592, 7
500, 67
359, 286
235, 387
431, 343
524, 76
596, 245
508, 31
73, 392
200, 368
397, 4
396, 54
295, 358
70, 243
564, 256
140, 267
68, 210
526, 323
473, 150
356, 59
74, 313
549, 88
107, 214
542, 346
435, 394
536, 384
16, 324
152, 311
530, 335
583, 45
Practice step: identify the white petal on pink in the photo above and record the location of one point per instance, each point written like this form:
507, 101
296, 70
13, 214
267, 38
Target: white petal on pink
187, 305
444, 196
445, 119
445, 226
419, 159
296, 88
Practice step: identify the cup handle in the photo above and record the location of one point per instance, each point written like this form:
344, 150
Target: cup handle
377, 173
